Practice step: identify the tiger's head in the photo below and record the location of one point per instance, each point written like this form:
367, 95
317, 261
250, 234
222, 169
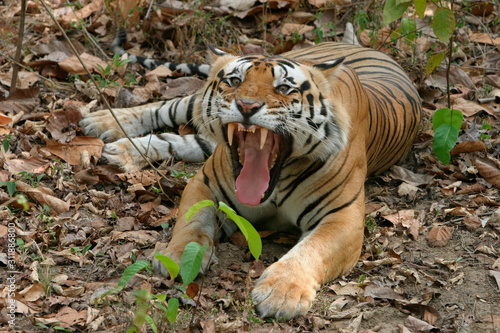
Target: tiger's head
269, 111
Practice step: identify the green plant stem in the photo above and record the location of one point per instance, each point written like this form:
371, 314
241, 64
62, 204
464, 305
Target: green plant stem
448, 65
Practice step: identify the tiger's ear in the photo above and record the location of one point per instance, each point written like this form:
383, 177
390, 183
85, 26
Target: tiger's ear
215, 53
329, 65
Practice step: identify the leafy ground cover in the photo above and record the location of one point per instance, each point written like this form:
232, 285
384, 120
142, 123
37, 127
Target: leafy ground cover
430, 261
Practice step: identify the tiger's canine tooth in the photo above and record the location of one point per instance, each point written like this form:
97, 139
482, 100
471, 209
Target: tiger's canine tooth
230, 132
263, 136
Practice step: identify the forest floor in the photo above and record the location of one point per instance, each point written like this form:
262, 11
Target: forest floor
431, 256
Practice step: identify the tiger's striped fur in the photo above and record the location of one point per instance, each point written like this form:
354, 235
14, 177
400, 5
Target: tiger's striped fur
310, 125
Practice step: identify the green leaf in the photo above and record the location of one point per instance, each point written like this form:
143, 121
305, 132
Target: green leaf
443, 24
151, 323
433, 62
247, 229
409, 28
445, 137
393, 10
191, 260
196, 207
453, 118
130, 271
6, 144
171, 266
11, 188
420, 7
173, 309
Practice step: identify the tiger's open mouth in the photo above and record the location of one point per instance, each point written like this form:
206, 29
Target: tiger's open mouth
257, 156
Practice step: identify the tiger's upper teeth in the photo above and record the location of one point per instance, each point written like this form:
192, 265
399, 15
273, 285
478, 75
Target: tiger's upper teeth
231, 127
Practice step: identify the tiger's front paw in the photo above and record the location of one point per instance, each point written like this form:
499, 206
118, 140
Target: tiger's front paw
284, 292
102, 125
124, 155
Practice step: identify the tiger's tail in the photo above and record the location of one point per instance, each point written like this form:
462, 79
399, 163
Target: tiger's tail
188, 69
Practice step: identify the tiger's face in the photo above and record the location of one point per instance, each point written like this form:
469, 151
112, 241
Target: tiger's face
270, 111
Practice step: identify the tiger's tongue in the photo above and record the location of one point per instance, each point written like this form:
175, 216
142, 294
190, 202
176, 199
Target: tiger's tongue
254, 177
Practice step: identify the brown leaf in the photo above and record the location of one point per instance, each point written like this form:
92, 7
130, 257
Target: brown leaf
439, 235
496, 275
192, 290
72, 152
409, 177
31, 165
56, 205
4, 120
384, 292
484, 38
72, 64
472, 222
21, 100
76, 16
468, 147
25, 80
417, 325
62, 124
489, 171
386, 261
180, 87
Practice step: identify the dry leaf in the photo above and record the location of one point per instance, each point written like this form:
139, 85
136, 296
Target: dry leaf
415, 179
72, 64
56, 205
496, 275
439, 235
62, 124
386, 261
384, 292
4, 120
25, 80
72, 152
21, 100
35, 165
468, 147
489, 171
484, 38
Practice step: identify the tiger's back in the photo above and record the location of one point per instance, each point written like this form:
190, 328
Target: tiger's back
395, 106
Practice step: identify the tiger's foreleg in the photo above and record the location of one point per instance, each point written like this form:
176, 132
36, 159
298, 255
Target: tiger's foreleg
201, 228
157, 147
139, 120
287, 288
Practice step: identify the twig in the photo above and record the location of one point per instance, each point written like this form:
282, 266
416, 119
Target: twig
151, 2
15, 68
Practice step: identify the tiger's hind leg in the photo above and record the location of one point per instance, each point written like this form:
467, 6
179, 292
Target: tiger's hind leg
159, 147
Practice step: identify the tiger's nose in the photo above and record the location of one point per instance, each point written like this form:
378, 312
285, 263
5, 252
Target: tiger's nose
248, 108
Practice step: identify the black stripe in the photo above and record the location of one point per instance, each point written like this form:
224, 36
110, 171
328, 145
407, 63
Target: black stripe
207, 150
336, 209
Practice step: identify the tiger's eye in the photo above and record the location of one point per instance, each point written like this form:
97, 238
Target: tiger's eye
283, 88
234, 81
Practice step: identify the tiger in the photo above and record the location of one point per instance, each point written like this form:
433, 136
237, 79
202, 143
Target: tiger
289, 141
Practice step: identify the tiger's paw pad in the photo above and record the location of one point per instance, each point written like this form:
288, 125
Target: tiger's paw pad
280, 293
